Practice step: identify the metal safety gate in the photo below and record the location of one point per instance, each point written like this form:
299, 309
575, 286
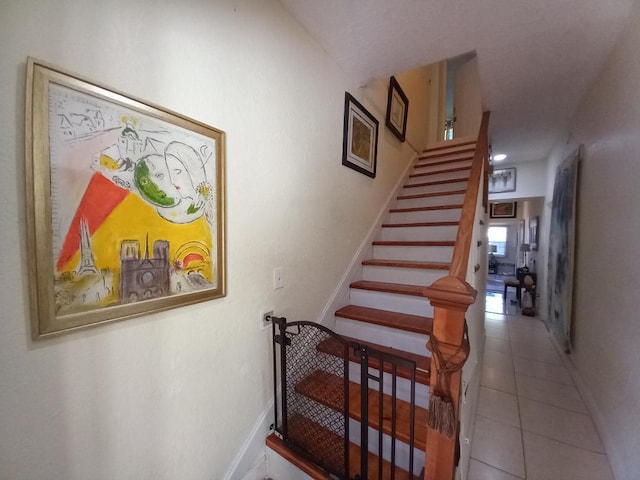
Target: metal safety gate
315, 397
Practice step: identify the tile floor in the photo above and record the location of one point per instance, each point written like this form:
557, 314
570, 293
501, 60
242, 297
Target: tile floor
531, 422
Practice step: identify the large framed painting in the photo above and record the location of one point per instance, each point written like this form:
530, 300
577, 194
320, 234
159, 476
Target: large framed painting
360, 138
562, 233
125, 204
397, 109
502, 180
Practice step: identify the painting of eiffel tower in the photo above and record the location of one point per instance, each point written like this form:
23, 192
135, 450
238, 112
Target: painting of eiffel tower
87, 264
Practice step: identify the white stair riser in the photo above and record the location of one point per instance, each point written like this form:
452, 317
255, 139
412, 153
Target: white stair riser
402, 449
435, 177
409, 276
280, 468
417, 254
438, 168
417, 234
441, 187
439, 200
390, 337
403, 385
391, 301
443, 215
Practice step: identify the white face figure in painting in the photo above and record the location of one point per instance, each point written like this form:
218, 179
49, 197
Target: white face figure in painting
175, 184
186, 171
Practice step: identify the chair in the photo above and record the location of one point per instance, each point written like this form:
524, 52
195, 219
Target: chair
529, 281
524, 279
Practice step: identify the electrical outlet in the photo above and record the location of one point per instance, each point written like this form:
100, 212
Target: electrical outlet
265, 321
278, 278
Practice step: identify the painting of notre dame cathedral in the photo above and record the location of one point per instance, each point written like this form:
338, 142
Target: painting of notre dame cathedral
147, 277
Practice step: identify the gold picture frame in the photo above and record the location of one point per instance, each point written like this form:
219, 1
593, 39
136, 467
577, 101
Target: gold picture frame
125, 204
503, 210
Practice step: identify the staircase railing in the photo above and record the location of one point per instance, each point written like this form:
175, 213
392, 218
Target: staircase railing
451, 296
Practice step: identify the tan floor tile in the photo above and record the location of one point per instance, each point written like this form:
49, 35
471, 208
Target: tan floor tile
537, 353
498, 379
552, 393
497, 345
559, 424
495, 317
498, 445
499, 406
500, 360
543, 371
496, 332
551, 460
482, 471
523, 334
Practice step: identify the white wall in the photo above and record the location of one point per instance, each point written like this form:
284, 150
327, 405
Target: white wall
174, 395
531, 180
415, 85
606, 330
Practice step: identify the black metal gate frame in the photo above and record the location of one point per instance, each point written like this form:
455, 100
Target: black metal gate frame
282, 334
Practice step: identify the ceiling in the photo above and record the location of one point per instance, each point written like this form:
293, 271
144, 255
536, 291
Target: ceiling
536, 58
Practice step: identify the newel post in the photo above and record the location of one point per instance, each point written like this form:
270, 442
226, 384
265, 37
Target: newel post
450, 297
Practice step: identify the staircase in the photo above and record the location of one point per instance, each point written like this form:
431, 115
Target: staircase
389, 310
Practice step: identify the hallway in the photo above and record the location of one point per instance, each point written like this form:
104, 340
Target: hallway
531, 421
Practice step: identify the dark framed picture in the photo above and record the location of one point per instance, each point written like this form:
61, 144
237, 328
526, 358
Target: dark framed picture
502, 180
397, 110
125, 205
533, 233
504, 210
360, 141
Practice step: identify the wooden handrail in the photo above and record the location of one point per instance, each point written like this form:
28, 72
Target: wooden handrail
451, 296
461, 251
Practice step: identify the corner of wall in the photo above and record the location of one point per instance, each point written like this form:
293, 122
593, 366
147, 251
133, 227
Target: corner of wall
252, 453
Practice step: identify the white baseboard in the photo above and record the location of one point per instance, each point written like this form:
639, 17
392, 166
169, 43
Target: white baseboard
252, 455
617, 467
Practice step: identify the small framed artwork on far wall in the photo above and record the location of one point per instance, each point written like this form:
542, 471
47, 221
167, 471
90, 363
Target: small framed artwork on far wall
533, 233
502, 180
397, 110
504, 210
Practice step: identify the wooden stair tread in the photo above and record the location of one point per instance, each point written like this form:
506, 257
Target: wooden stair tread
437, 182
386, 318
334, 347
375, 262
318, 384
442, 160
426, 209
399, 288
446, 170
433, 194
420, 224
446, 146
276, 444
401, 243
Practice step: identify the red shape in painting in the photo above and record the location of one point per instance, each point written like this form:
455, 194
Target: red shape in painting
192, 257
100, 199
